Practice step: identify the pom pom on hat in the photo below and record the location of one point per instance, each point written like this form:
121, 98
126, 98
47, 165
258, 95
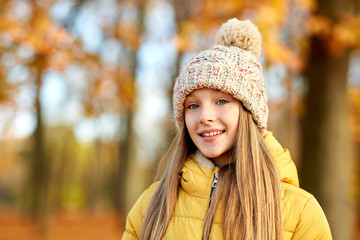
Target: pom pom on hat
241, 34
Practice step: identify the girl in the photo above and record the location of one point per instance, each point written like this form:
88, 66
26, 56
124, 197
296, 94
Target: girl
225, 176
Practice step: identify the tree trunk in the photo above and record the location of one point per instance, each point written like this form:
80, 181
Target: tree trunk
41, 165
122, 174
95, 176
127, 144
326, 153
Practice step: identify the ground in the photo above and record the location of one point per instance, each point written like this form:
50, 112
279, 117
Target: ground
65, 226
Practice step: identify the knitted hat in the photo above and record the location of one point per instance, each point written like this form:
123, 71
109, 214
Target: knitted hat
231, 66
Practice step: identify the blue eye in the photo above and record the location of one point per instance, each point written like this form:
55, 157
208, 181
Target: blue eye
222, 102
193, 106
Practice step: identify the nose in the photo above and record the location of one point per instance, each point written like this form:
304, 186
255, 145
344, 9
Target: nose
207, 114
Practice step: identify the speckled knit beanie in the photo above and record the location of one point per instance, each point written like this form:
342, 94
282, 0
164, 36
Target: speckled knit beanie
231, 66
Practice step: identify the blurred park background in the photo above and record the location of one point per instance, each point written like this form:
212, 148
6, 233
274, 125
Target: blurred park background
85, 103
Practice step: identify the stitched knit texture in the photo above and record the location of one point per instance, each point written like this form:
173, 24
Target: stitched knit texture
230, 69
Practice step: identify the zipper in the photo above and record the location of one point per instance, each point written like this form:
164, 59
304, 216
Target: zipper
213, 188
212, 193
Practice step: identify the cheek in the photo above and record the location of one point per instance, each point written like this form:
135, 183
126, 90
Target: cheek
191, 126
188, 122
189, 118
232, 120
186, 119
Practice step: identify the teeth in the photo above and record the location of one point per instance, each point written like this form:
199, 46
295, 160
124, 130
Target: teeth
211, 134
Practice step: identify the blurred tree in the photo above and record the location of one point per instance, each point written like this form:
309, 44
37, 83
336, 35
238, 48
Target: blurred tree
47, 46
45, 38
327, 151
129, 33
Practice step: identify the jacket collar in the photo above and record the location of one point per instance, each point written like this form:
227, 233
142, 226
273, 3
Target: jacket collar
196, 180
203, 161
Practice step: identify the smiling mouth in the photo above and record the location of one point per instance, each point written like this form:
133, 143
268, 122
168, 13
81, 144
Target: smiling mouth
210, 134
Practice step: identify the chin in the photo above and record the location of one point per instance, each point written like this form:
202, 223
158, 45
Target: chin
211, 155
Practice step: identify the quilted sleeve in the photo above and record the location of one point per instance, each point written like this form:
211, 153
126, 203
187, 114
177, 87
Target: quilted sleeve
134, 221
312, 223
136, 215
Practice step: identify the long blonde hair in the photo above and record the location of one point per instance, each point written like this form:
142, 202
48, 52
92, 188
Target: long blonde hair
249, 188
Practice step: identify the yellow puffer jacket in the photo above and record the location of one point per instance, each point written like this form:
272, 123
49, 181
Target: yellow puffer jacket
303, 217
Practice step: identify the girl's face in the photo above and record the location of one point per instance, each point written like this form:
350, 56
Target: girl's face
212, 119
